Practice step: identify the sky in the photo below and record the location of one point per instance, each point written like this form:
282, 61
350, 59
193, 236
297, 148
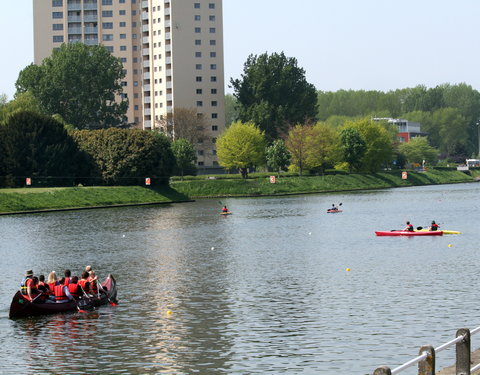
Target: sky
341, 44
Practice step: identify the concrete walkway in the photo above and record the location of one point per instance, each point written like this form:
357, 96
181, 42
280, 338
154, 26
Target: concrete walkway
475, 359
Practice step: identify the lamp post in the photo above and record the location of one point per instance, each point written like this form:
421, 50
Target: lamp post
478, 131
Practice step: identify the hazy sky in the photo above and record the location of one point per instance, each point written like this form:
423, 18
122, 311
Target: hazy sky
341, 44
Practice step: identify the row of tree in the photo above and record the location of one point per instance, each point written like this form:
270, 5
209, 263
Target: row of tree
361, 145
39, 147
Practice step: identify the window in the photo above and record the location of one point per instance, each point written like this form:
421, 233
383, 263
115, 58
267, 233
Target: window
107, 25
214, 128
134, 24
214, 103
135, 71
123, 36
213, 54
109, 48
200, 152
211, 6
123, 84
107, 37
57, 3
200, 163
134, 36
199, 103
198, 79
198, 54
196, 5
213, 66
213, 42
122, 12
211, 18
123, 48
58, 39
198, 30
212, 30
123, 24
124, 96
198, 66
214, 152
57, 15
213, 91
135, 83
122, 1
214, 115
134, 13
199, 91
107, 13
197, 17
135, 95
213, 79
135, 48
57, 26
106, 2
123, 59
135, 107
198, 42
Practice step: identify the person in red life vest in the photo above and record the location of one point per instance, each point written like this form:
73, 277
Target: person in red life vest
409, 227
68, 275
62, 294
93, 280
224, 209
434, 226
52, 281
28, 287
84, 283
74, 288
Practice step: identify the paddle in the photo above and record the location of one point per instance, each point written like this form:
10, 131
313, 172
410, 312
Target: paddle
108, 298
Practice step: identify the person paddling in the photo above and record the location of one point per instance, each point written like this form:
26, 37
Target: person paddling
84, 283
224, 209
62, 294
28, 286
434, 226
409, 227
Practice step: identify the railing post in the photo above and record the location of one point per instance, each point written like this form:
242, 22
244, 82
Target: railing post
382, 370
463, 352
427, 366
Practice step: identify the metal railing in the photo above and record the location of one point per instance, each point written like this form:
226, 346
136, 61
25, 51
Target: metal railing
427, 354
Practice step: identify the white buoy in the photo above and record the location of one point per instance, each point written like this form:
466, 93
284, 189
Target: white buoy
212, 248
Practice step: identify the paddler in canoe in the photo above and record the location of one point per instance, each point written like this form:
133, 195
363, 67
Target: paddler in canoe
433, 226
408, 228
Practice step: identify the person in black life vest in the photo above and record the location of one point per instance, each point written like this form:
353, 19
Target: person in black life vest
434, 226
409, 227
224, 209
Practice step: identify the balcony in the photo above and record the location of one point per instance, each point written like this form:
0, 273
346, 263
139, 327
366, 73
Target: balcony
168, 48
146, 88
75, 30
147, 112
146, 64
168, 72
144, 16
144, 4
169, 84
169, 109
145, 40
88, 6
90, 18
167, 11
145, 28
74, 19
90, 30
146, 75
168, 60
147, 124
168, 23
74, 6
91, 42
147, 99
169, 97
145, 52
168, 36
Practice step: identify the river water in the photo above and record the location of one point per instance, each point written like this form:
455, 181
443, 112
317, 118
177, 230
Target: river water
279, 287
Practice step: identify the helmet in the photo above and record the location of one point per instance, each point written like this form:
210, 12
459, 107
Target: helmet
433, 221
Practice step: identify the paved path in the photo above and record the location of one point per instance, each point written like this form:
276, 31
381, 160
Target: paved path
475, 359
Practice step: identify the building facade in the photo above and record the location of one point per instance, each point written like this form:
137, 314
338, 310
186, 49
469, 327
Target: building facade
406, 130
171, 50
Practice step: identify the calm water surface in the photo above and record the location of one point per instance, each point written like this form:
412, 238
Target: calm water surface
265, 290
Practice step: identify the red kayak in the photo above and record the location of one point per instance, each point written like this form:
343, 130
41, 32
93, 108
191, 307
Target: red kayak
332, 211
408, 233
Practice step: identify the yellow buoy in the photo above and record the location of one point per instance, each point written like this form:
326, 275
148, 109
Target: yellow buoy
450, 245
169, 312
348, 269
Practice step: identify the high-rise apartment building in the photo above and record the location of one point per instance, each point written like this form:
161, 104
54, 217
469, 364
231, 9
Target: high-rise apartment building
172, 52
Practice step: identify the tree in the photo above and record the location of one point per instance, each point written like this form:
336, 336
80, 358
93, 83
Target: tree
22, 102
185, 156
80, 83
241, 146
274, 93
231, 110
36, 145
298, 145
378, 144
452, 130
323, 148
417, 150
353, 146
277, 155
184, 123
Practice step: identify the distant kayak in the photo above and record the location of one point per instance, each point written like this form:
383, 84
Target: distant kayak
225, 213
330, 211
409, 233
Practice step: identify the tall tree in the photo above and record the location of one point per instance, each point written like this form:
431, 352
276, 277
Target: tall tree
323, 148
22, 102
241, 146
184, 123
273, 93
231, 110
353, 147
298, 145
417, 150
80, 83
185, 156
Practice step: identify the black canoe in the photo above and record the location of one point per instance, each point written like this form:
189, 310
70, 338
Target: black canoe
21, 308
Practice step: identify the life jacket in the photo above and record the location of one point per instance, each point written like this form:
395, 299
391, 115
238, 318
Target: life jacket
84, 284
26, 282
67, 281
410, 227
224, 209
23, 285
93, 285
51, 287
434, 227
74, 290
60, 293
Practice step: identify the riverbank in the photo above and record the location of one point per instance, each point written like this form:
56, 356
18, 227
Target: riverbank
47, 199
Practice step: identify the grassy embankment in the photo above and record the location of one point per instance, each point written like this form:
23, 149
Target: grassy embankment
32, 199
35, 199
199, 188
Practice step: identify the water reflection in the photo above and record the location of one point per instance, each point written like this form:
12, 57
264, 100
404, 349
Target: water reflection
264, 290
